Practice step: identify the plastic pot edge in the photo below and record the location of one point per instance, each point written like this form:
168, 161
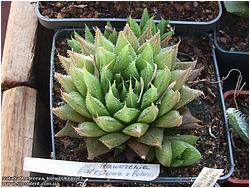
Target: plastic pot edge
55, 23
226, 52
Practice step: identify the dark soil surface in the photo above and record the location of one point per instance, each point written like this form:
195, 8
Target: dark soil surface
207, 109
241, 149
233, 32
189, 11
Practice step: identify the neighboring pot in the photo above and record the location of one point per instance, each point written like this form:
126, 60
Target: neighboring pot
228, 60
233, 180
227, 55
160, 179
184, 27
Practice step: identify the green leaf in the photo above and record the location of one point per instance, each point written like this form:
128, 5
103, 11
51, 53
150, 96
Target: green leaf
180, 76
66, 62
174, 54
164, 154
124, 92
169, 120
149, 23
74, 44
115, 90
113, 140
118, 81
190, 156
144, 18
148, 115
187, 95
131, 71
95, 107
122, 41
131, 97
68, 130
113, 36
123, 59
129, 34
101, 41
137, 88
166, 36
93, 85
95, 148
149, 97
154, 28
134, 26
239, 8
162, 25
81, 61
89, 129
103, 57
153, 137
127, 115
86, 47
177, 148
76, 102
147, 74
66, 82
146, 35
113, 104
191, 139
108, 124
162, 80
65, 112
164, 58
169, 100
155, 42
88, 35
108, 30
106, 76
136, 129
151, 154
146, 54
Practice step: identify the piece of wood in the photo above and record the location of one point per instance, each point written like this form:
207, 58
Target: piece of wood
18, 118
20, 42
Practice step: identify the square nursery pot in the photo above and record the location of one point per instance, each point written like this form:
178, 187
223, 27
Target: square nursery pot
181, 27
227, 55
228, 60
61, 34
233, 181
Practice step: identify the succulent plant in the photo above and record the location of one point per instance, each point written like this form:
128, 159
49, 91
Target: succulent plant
128, 88
238, 123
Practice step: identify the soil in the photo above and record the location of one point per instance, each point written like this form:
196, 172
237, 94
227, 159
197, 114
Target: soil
188, 11
233, 32
241, 149
207, 109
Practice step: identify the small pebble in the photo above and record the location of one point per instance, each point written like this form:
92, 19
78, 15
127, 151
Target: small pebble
195, 3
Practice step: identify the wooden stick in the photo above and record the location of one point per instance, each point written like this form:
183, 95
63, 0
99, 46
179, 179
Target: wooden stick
19, 48
18, 118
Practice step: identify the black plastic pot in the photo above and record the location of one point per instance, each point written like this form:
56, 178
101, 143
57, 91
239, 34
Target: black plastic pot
67, 32
228, 60
182, 27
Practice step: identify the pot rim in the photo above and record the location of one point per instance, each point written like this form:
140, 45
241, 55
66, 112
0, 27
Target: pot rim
235, 180
230, 93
